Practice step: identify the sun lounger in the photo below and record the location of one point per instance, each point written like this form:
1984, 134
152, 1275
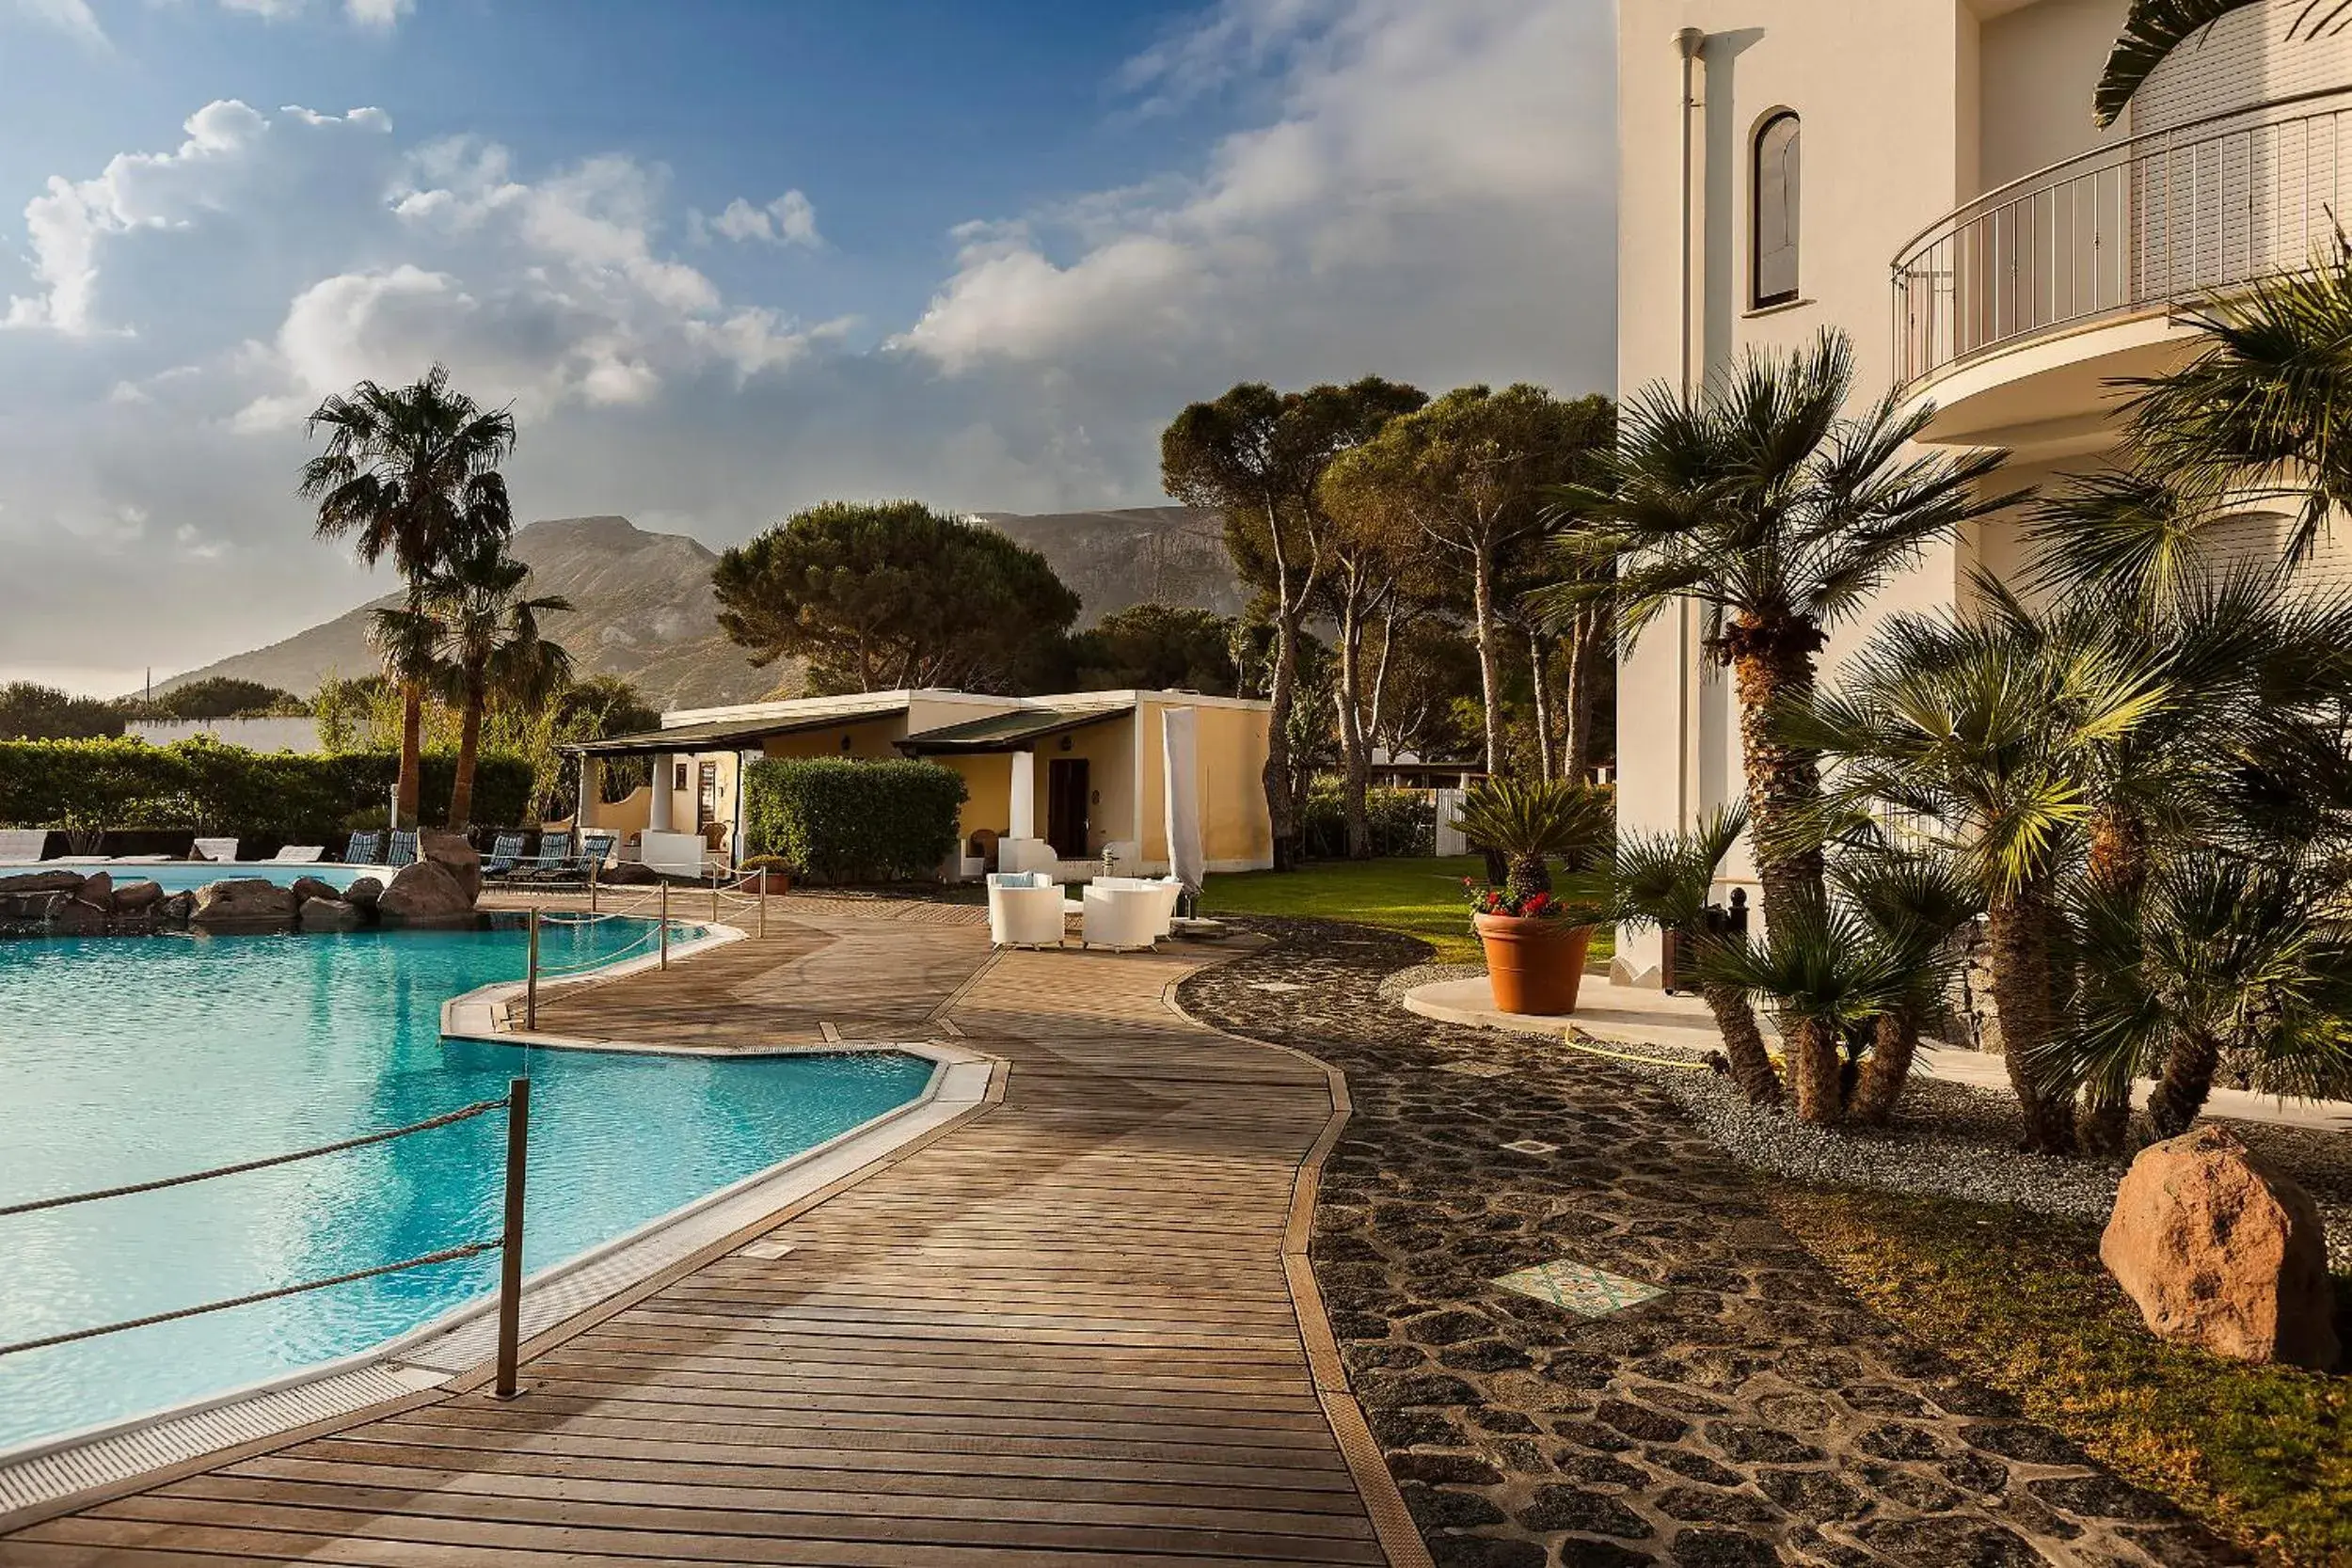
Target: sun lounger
550, 864
299, 854
216, 848
505, 850
363, 848
22, 843
404, 849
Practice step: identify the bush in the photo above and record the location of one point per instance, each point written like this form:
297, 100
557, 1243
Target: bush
208, 787
835, 820
1404, 822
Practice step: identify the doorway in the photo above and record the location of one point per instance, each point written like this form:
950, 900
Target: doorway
1066, 796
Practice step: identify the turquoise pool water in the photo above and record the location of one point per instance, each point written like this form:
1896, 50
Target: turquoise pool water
129, 1059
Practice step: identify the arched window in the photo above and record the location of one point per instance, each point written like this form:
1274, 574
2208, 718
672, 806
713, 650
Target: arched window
1772, 263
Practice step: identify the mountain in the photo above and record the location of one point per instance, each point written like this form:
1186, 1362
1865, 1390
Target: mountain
643, 607
1163, 554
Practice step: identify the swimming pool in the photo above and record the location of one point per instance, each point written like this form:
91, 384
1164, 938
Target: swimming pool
182, 876
122, 1061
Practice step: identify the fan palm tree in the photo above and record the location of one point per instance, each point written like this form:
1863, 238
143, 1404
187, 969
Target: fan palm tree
1827, 975
488, 642
2257, 415
1663, 880
1913, 902
1528, 821
1983, 733
410, 473
1779, 516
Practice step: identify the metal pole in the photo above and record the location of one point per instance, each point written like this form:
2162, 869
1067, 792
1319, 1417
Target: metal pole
530, 979
714, 898
763, 905
592, 887
511, 1243
665, 925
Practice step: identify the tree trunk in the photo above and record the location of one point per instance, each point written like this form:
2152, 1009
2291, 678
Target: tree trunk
2180, 1094
1490, 682
2019, 933
2103, 1123
1355, 758
1373, 710
468, 751
1743, 1042
412, 754
1818, 1067
1543, 705
1576, 761
1889, 1067
1774, 666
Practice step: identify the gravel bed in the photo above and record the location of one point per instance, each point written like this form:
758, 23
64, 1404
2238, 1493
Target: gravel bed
1395, 985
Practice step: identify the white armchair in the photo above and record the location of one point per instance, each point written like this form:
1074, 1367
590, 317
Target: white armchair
1119, 918
1167, 891
1023, 910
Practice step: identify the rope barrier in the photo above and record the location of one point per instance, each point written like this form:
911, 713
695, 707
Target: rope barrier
602, 961
462, 1114
446, 1255
1591, 1050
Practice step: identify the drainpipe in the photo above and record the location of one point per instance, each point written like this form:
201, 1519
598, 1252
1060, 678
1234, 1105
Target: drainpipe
1688, 41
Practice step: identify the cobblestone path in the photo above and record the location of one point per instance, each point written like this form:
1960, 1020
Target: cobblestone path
1753, 1413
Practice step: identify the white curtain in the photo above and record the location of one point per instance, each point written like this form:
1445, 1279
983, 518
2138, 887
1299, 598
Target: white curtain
1179, 757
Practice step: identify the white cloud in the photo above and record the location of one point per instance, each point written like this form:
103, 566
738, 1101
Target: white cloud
73, 18
1415, 148
376, 15
790, 219
1421, 190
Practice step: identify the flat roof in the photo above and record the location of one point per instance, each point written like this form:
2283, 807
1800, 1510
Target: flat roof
723, 735
1018, 731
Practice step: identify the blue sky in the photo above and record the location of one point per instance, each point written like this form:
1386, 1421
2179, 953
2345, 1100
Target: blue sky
730, 256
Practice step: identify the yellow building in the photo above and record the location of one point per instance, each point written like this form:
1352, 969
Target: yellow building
1048, 780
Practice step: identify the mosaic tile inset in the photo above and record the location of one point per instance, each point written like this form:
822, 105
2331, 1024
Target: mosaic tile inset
1580, 1288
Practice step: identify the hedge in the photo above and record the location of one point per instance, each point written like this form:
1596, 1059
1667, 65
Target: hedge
205, 785
1403, 822
837, 820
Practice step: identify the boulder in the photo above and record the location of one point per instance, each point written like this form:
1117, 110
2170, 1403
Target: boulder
242, 904
455, 855
73, 918
424, 893
177, 908
330, 914
98, 892
130, 897
363, 891
629, 874
2220, 1249
307, 888
42, 881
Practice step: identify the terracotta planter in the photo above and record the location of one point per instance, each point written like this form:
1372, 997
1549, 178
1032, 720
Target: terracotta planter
1532, 966
772, 881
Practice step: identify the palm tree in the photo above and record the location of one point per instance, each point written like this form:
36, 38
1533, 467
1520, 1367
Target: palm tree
1982, 733
2256, 414
1828, 976
1913, 901
1526, 821
412, 473
1779, 516
1663, 880
488, 640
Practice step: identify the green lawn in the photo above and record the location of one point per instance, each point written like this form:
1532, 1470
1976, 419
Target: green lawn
1420, 896
2263, 1454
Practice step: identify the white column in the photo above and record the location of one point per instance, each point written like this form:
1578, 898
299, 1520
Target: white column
591, 787
1024, 823
659, 821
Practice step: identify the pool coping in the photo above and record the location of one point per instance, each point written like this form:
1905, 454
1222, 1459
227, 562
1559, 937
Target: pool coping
39, 1477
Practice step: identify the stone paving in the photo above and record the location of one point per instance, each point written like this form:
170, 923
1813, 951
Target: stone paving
1753, 1413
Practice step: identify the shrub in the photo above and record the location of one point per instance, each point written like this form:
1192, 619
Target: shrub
837, 820
1404, 822
204, 786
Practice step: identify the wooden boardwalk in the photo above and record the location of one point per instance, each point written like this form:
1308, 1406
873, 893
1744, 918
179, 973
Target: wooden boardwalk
1060, 1330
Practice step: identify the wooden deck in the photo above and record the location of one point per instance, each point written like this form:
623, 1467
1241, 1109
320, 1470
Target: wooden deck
1060, 1330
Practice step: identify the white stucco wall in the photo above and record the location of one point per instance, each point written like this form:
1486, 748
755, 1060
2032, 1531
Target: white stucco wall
254, 734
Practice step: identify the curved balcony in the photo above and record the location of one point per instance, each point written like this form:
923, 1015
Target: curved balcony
2161, 219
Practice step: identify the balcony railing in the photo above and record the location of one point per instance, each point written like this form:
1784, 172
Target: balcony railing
2162, 219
